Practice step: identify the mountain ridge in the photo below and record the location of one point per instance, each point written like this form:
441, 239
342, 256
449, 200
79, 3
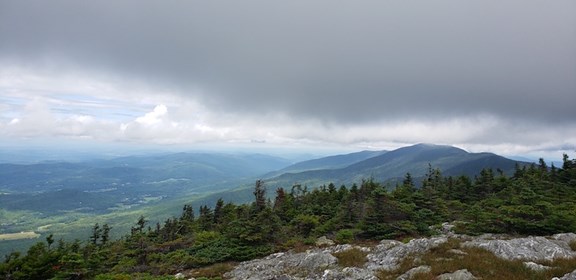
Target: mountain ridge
393, 165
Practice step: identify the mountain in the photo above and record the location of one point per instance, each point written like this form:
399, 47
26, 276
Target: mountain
392, 166
330, 162
68, 197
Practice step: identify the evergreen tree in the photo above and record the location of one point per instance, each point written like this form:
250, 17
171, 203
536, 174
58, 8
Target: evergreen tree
260, 196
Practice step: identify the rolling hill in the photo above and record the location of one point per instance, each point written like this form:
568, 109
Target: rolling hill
66, 198
330, 162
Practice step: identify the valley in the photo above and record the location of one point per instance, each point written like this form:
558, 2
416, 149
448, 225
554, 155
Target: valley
66, 199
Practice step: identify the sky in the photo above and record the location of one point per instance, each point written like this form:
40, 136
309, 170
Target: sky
487, 76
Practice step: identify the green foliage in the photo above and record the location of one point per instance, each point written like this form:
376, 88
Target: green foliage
222, 250
304, 224
347, 235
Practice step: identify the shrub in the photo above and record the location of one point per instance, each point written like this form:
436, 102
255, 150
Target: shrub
345, 236
221, 250
206, 236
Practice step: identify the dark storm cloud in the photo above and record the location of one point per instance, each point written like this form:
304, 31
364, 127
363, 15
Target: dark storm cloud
332, 60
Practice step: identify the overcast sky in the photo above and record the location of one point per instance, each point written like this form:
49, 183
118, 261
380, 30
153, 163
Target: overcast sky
496, 76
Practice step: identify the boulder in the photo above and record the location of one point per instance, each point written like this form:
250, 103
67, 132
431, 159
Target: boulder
388, 254
536, 267
413, 271
565, 237
348, 273
462, 274
346, 247
310, 264
323, 241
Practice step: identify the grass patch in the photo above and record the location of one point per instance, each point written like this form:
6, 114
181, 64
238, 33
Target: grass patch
213, 271
573, 245
19, 235
449, 257
353, 257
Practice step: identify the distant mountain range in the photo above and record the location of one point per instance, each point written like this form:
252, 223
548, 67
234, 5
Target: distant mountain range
105, 185
330, 162
67, 198
389, 166
102, 185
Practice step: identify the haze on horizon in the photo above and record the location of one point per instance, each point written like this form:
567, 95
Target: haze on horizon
496, 76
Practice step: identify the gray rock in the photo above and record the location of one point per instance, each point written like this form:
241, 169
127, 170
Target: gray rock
529, 248
567, 276
323, 241
285, 266
413, 271
348, 273
388, 255
346, 247
321, 264
445, 229
462, 274
536, 267
565, 237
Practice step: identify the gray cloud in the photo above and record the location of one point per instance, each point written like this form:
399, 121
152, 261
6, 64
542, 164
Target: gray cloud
335, 62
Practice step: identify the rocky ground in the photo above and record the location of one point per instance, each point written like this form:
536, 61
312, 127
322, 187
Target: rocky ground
322, 263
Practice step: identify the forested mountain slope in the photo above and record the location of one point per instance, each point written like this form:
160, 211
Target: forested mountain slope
392, 166
330, 162
534, 200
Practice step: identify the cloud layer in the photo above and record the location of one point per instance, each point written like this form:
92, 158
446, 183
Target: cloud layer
366, 73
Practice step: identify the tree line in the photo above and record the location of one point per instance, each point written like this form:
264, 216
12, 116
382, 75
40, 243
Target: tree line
535, 200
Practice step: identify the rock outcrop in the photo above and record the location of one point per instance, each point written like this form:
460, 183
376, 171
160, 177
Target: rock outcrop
567, 276
320, 263
462, 274
323, 241
413, 271
528, 248
310, 264
389, 253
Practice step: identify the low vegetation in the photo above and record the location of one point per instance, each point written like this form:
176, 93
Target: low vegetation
19, 235
351, 258
573, 245
536, 200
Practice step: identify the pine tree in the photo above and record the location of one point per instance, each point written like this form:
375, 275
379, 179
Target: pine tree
96, 233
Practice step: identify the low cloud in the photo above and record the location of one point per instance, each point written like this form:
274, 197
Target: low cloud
490, 75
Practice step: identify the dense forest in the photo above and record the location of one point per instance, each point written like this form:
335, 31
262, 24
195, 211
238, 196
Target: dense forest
535, 200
